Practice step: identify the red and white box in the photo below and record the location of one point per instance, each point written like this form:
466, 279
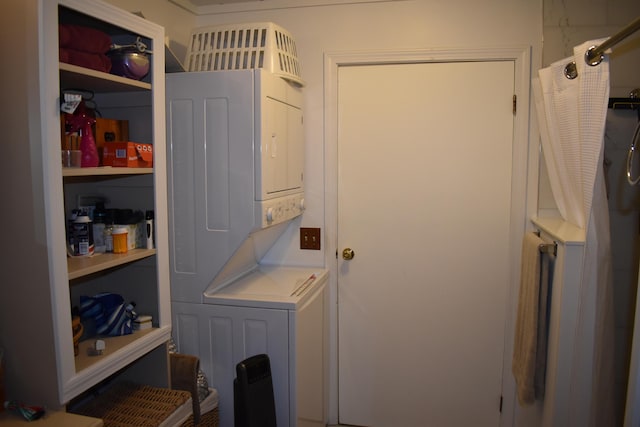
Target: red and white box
128, 155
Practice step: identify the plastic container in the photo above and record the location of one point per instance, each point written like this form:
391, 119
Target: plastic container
120, 235
82, 236
99, 218
245, 46
108, 237
149, 224
71, 158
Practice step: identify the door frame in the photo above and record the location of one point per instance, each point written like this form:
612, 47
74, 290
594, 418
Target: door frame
523, 202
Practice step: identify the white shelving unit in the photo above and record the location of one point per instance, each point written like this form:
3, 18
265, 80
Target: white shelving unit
40, 366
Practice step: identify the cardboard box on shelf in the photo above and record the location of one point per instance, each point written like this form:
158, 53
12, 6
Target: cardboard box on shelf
104, 130
110, 130
142, 322
128, 155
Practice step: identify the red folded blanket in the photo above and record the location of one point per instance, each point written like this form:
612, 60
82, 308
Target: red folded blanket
95, 61
83, 39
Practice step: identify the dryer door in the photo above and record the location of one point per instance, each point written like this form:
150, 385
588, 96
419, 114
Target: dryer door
282, 149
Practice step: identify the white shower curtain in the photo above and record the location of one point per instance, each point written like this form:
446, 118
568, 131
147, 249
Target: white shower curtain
571, 116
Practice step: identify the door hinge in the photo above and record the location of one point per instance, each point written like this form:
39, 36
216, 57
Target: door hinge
515, 104
500, 409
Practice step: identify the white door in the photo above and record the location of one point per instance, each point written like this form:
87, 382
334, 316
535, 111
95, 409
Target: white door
424, 199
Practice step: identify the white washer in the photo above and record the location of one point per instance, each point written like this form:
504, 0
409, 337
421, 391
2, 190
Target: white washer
283, 312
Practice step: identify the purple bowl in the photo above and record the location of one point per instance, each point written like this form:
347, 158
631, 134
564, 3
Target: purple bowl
129, 63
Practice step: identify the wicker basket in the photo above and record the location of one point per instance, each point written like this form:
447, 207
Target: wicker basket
244, 46
210, 419
132, 405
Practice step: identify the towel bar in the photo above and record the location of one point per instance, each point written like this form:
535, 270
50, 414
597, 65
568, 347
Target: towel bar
547, 248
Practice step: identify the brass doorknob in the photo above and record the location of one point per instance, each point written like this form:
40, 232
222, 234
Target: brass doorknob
348, 254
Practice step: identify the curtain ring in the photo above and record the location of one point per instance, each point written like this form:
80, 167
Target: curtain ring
595, 61
632, 150
571, 71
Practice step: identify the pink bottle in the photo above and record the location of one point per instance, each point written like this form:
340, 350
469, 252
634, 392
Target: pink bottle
83, 122
90, 158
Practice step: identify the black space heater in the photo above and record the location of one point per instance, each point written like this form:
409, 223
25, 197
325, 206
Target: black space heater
254, 404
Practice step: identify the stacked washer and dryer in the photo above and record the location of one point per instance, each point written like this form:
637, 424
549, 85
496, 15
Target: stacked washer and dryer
235, 143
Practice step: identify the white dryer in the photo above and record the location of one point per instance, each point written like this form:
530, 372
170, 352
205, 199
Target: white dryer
280, 311
235, 150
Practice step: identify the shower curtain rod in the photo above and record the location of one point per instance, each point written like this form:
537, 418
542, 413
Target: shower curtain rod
594, 55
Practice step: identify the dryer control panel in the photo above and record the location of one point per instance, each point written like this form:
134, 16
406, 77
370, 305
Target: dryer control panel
275, 211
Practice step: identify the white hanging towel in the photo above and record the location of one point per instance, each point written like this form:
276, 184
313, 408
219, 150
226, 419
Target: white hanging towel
530, 342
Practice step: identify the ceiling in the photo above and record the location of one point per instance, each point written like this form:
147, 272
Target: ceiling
198, 3
213, 7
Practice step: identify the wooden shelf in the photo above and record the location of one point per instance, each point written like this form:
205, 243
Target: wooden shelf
119, 352
51, 419
112, 344
105, 171
83, 266
74, 77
